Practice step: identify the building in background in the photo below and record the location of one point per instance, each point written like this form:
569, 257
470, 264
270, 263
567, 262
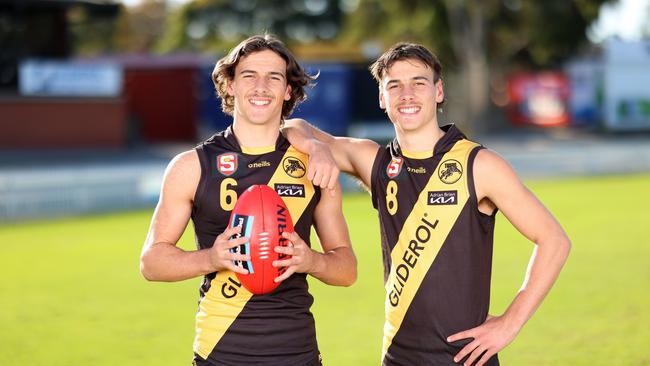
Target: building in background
45, 100
539, 99
627, 85
609, 89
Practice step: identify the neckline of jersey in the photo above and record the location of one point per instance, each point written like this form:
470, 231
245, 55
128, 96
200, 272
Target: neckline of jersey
451, 135
257, 150
417, 155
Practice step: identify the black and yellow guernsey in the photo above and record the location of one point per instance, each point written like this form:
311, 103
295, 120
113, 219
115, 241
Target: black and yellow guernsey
233, 326
437, 249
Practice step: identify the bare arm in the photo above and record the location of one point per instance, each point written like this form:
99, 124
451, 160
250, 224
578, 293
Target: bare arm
497, 184
326, 152
336, 265
161, 259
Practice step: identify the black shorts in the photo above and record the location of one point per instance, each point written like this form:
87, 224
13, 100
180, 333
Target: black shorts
199, 361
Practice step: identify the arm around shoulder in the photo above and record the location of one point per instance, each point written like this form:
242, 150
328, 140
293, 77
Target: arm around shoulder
352, 155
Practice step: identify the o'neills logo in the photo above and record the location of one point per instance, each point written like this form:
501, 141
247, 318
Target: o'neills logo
410, 257
419, 170
450, 171
259, 164
394, 167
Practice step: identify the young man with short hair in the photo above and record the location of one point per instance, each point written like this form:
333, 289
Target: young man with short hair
437, 194
259, 82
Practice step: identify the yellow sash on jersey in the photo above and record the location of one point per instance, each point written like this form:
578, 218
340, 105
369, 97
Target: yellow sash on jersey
423, 233
293, 170
226, 297
217, 310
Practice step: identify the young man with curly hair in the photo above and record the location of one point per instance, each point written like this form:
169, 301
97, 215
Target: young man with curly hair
259, 82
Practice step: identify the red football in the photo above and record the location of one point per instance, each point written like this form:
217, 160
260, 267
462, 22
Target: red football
263, 216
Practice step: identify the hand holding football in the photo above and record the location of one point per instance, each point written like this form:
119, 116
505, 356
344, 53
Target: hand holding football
263, 216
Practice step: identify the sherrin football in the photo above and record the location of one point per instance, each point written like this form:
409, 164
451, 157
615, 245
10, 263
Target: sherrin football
263, 216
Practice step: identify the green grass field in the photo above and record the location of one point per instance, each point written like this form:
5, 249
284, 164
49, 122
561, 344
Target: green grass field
71, 293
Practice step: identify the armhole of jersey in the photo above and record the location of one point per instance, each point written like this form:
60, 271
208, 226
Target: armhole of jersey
470, 175
200, 188
471, 185
317, 194
374, 177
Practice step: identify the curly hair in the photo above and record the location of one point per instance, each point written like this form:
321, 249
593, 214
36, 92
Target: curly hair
224, 71
406, 51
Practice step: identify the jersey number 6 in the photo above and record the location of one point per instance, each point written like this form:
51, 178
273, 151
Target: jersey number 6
227, 196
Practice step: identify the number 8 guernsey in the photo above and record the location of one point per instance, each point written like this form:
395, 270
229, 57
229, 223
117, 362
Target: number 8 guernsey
437, 249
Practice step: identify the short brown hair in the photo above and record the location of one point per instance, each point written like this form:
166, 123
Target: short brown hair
224, 71
406, 51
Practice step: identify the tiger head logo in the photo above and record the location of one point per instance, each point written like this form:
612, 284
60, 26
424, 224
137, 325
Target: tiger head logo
294, 167
450, 171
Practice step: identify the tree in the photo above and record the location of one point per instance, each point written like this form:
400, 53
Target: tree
473, 37
135, 29
140, 27
215, 25
478, 41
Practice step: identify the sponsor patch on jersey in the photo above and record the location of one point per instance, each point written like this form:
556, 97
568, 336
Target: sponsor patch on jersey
394, 167
227, 163
409, 260
450, 171
290, 190
436, 198
294, 167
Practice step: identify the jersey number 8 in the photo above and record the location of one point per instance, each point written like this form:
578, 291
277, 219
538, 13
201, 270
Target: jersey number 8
391, 197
